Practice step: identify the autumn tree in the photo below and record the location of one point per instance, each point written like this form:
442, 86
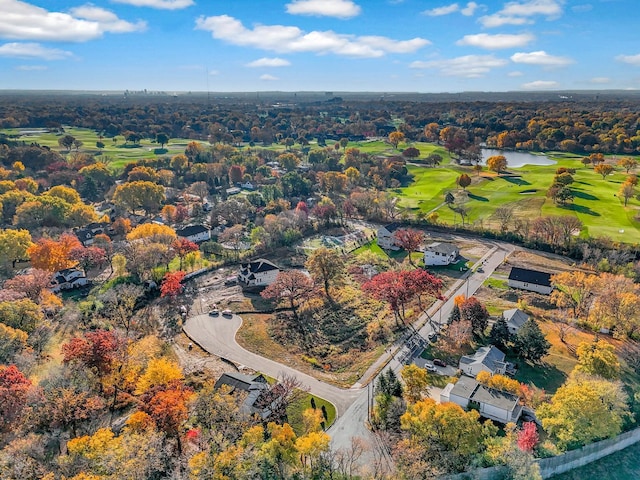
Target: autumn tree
627, 191
291, 286
89, 257
51, 255
583, 410
22, 314
119, 304
327, 267
31, 284
598, 358
411, 153
233, 237
14, 387
13, 341
463, 181
168, 409
628, 163
497, 163
160, 373
416, 382
172, 284
530, 342
395, 138
409, 239
474, 311
183, 247
144, 195
528, 437
603, 169
574, 290
14, 245
596, 159
153, 232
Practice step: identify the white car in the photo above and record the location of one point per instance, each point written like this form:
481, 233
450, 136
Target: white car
227, 313
430, 367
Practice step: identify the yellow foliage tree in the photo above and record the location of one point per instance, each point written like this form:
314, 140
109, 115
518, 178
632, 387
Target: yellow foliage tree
160, 371
153, 232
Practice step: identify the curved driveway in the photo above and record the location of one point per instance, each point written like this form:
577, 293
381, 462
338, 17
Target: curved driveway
217, 335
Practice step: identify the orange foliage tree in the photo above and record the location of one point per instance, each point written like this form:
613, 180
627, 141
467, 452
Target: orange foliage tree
53, 256
172, 284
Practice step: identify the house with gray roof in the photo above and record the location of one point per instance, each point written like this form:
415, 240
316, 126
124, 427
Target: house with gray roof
386, 236
440, 254
515, 318
493, 404
485, 359
261, 398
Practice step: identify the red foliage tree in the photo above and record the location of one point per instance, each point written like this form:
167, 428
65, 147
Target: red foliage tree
95, 350
168, 408
409, 239
31, 284
471, 309
172, 284
89, 257
528, 437
182, 247
181, 214
400, 287
13, 394
292, 285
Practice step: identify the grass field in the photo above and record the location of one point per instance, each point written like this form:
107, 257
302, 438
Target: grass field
596, 202
116, 154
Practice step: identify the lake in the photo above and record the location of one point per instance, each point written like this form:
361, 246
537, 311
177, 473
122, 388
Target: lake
517, 159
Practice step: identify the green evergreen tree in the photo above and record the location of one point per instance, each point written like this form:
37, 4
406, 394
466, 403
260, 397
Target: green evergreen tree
500, 335
531, 342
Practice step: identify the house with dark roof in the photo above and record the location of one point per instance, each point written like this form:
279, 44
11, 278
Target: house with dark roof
68, 279
493, 404
485, 359
515, 318
87, 233
386, 239
532, 280
440, 254
257, 274
261, 398
195, 233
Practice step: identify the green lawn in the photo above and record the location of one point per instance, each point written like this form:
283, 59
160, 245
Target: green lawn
294, 412
115, 154
596, 203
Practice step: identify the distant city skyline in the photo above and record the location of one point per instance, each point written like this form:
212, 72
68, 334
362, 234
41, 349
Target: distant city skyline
319, 45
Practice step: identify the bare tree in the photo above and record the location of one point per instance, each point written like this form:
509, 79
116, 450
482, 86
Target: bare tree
504, 215
346, 459
119, 304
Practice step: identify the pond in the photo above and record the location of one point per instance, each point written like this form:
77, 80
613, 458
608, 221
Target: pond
517, 159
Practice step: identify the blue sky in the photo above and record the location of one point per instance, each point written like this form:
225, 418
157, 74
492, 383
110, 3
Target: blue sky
321, 45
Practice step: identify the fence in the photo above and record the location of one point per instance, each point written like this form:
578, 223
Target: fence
561, 463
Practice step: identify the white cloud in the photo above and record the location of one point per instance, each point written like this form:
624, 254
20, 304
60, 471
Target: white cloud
439, 11
269, 62
470, 9
518, 13
31, 68
467, 11
630, 59
159, 4
324, 8
496, 42
469, 66
540, 85
268, 78
285, 39
600, 80
540, 58
586, 7
23, 21
32, 50
515, 74
214, 72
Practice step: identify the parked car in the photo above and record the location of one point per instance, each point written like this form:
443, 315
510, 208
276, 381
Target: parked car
433, 337
429, 367
227, 313
438, 362
215, 312
230, 281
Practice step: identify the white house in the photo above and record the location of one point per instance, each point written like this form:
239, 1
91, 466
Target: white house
68, 279
440, 254
258, 273
386, 239
491, 403
487, 359
195, 233
532, 280
515, 319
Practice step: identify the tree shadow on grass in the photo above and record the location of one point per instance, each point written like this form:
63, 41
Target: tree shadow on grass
542, 375
477, 197
584, 195
517, 181
580, 209
160, 151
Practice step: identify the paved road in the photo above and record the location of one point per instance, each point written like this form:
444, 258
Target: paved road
217, 336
